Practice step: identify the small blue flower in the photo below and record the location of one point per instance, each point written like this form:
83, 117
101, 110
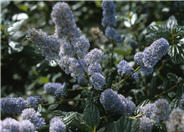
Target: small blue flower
60, 91
116, 103
109, 13
33, 101
26, 126
112, 102
130, 107
146, 124
97, 80
50, 88
65, 25
33, 116
93, 68
161, 111
56, 125
112, 34
176, 121
151, 55
155, 52
148, 110
12, 105
94, 55
48, 44
81, 46
124, 68
9, 125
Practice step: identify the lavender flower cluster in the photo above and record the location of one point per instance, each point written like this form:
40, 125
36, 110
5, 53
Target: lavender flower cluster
74, 46
65, 25
116, 103
30, 120
151, 55
69, 48
16, 105
93, 59
56, 89
47, 43
33, 116
56, 125
176, 121
125, 69
109, 20
12, 125
154, 113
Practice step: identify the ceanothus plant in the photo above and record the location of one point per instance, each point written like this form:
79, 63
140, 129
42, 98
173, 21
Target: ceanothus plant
95, 105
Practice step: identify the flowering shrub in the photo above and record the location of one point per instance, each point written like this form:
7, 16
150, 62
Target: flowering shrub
106, 88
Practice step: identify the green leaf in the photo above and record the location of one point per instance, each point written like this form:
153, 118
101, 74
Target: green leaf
22, 7
44, 80
124, 124
174, 103
142, 104
53, 107
91, 115
75, 120
125, 51
176, 52
172, 77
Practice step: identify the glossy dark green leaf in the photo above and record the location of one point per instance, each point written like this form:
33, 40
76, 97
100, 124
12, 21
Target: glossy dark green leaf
124, 124
91, 115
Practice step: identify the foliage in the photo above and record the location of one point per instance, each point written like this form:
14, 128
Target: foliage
25, 72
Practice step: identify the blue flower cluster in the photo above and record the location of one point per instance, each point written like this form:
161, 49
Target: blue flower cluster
12, 105
97, 80
47, 43
125, 69
151, 55
33, 116
65, 25
116, 103
16, 105
109, 20
56, 125
74, 46
56, 89
11, 125
109, 13
111, 33
33, 101
176, 121
146, 124
93, 59
70, 48
157, 111
154, 113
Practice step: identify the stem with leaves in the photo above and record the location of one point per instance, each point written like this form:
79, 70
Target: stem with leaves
125, 78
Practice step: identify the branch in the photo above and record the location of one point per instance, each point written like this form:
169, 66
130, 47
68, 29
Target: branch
126, 77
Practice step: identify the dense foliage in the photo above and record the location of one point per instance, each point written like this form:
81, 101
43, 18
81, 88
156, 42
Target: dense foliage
98, 66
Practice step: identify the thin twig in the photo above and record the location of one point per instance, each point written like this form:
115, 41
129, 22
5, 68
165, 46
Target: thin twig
164, 92
124, 79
